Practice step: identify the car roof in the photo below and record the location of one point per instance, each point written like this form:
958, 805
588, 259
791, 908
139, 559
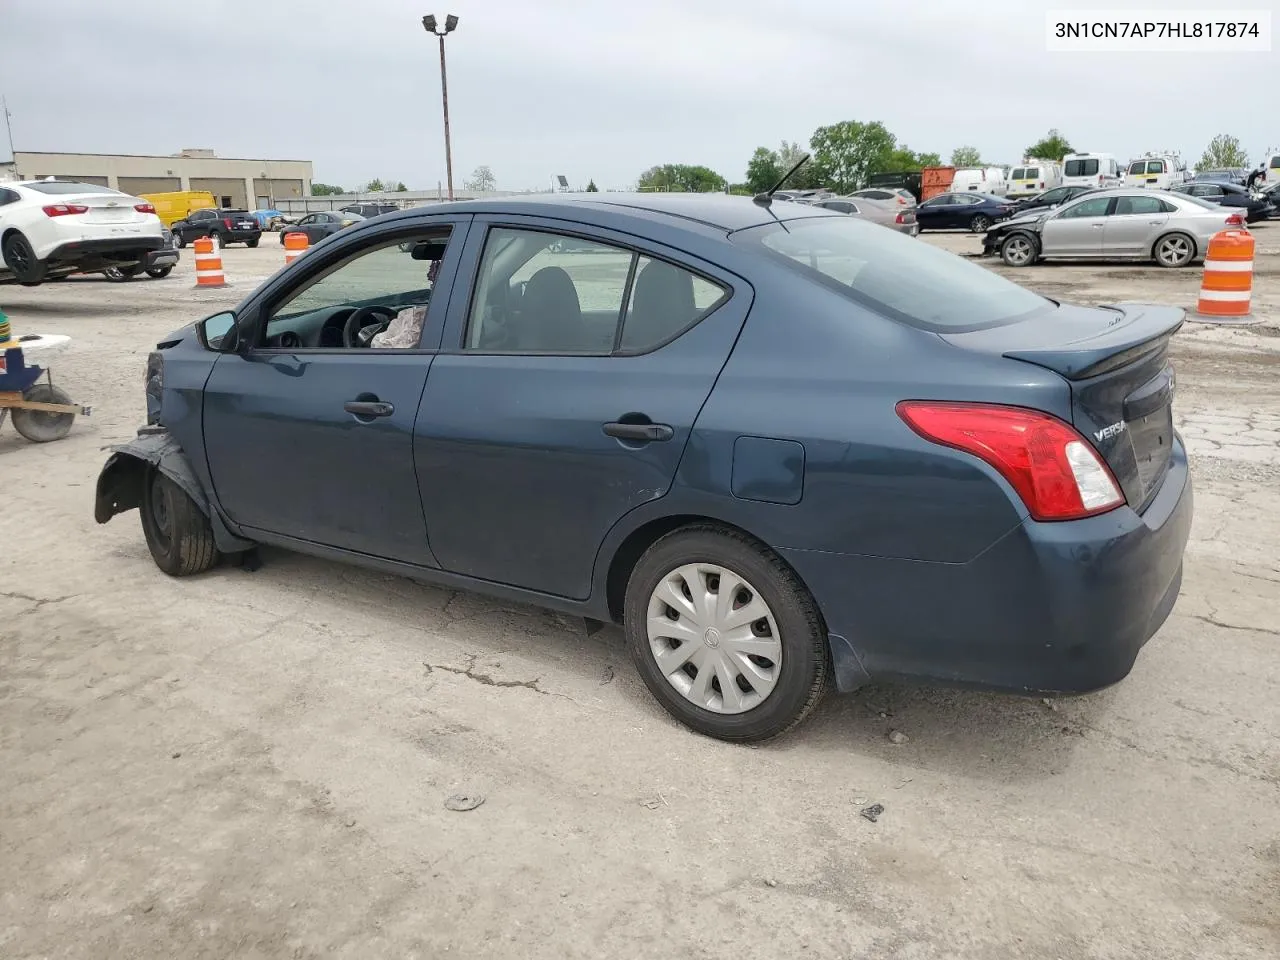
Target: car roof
717, 211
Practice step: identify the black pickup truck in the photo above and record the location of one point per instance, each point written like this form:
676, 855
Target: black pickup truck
225, 226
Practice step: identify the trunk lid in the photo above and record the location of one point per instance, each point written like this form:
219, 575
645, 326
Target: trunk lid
105, 207
1115, 359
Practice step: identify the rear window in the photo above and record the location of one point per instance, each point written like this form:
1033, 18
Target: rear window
1155, 166
1275, 163
1139, 167
56, 187
1019, 173
1198, 201
1081, 168
894, 275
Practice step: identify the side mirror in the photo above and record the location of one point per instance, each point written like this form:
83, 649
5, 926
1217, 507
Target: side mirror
219, 333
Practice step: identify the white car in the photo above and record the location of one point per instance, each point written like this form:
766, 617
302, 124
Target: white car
50, 228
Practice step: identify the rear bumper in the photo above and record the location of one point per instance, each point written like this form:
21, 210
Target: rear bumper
240, 236
1049, 608
110, 250
166, 257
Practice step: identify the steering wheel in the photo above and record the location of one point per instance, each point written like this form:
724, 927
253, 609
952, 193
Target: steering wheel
353, 331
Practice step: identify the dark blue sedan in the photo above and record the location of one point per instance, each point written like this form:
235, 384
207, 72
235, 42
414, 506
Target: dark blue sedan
975, 212
784, 448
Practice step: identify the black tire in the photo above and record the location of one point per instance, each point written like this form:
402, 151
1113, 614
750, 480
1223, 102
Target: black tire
20, 258
178, 534
1019, 249
42, 426
218, 240
1174, 250
252, 243
121, 274
805, 664
179, 240
159, 273
980, 224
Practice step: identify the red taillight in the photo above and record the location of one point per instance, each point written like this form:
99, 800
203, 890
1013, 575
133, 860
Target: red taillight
900, 218
1235, 220
144, 208
1099, 179
226, 222
1041, 184
64, 209
1052, 468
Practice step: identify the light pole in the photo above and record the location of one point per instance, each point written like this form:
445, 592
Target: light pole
429, 24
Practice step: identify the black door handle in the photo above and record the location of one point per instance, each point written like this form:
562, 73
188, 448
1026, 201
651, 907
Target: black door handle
369, 408
641, 432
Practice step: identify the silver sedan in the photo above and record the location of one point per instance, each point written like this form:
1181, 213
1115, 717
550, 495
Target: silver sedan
884, 212
1172, 229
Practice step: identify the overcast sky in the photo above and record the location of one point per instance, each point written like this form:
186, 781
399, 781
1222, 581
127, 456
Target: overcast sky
597, 88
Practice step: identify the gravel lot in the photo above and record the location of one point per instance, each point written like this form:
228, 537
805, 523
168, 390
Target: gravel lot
255, 764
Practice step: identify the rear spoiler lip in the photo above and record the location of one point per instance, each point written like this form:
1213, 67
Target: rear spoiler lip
1092, 358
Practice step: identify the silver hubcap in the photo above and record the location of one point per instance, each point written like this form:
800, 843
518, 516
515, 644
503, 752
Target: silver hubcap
714, 638
1174, 250
1018, 250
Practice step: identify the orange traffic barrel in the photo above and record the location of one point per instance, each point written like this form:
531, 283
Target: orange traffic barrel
208, 264
295, 245
1227, 288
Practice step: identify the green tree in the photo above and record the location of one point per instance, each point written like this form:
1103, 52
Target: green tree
325, 190
763, 170
966, 157
808, 177
902, 159
1054, 146
482, 180
681, 178
1223, 151
591, 187
846, 153
375, 186
401, 188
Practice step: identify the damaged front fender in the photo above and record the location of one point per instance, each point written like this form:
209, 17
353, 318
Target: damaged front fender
122, 476
121, 481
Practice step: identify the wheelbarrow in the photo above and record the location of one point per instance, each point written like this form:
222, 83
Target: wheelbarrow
41, 412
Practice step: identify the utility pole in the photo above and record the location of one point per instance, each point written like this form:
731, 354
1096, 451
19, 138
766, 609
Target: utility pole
4, 105
430, 25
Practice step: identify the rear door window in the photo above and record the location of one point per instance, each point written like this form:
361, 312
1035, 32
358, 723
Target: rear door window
547, 293
1130, 206
1081, 168
893, 274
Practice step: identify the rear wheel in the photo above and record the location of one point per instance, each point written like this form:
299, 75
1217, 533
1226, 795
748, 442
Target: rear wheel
179, 240
20, 257
218, 241
178, 534
980, 224
1175, 250
1019, 250
724, 635
43, 426
159, 273
252, 243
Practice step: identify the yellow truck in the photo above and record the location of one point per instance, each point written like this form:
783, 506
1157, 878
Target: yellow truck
171, 207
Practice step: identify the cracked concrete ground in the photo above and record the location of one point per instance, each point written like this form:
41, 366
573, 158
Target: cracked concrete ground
256, 764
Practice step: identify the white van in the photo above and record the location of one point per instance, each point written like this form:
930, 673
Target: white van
1271, 165
1158, 171
1034, 177
1090, 170
979, 180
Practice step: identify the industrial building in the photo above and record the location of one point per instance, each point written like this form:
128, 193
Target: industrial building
237, 183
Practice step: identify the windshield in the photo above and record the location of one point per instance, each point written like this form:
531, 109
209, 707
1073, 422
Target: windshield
1081, 168
58, 187
893, 274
